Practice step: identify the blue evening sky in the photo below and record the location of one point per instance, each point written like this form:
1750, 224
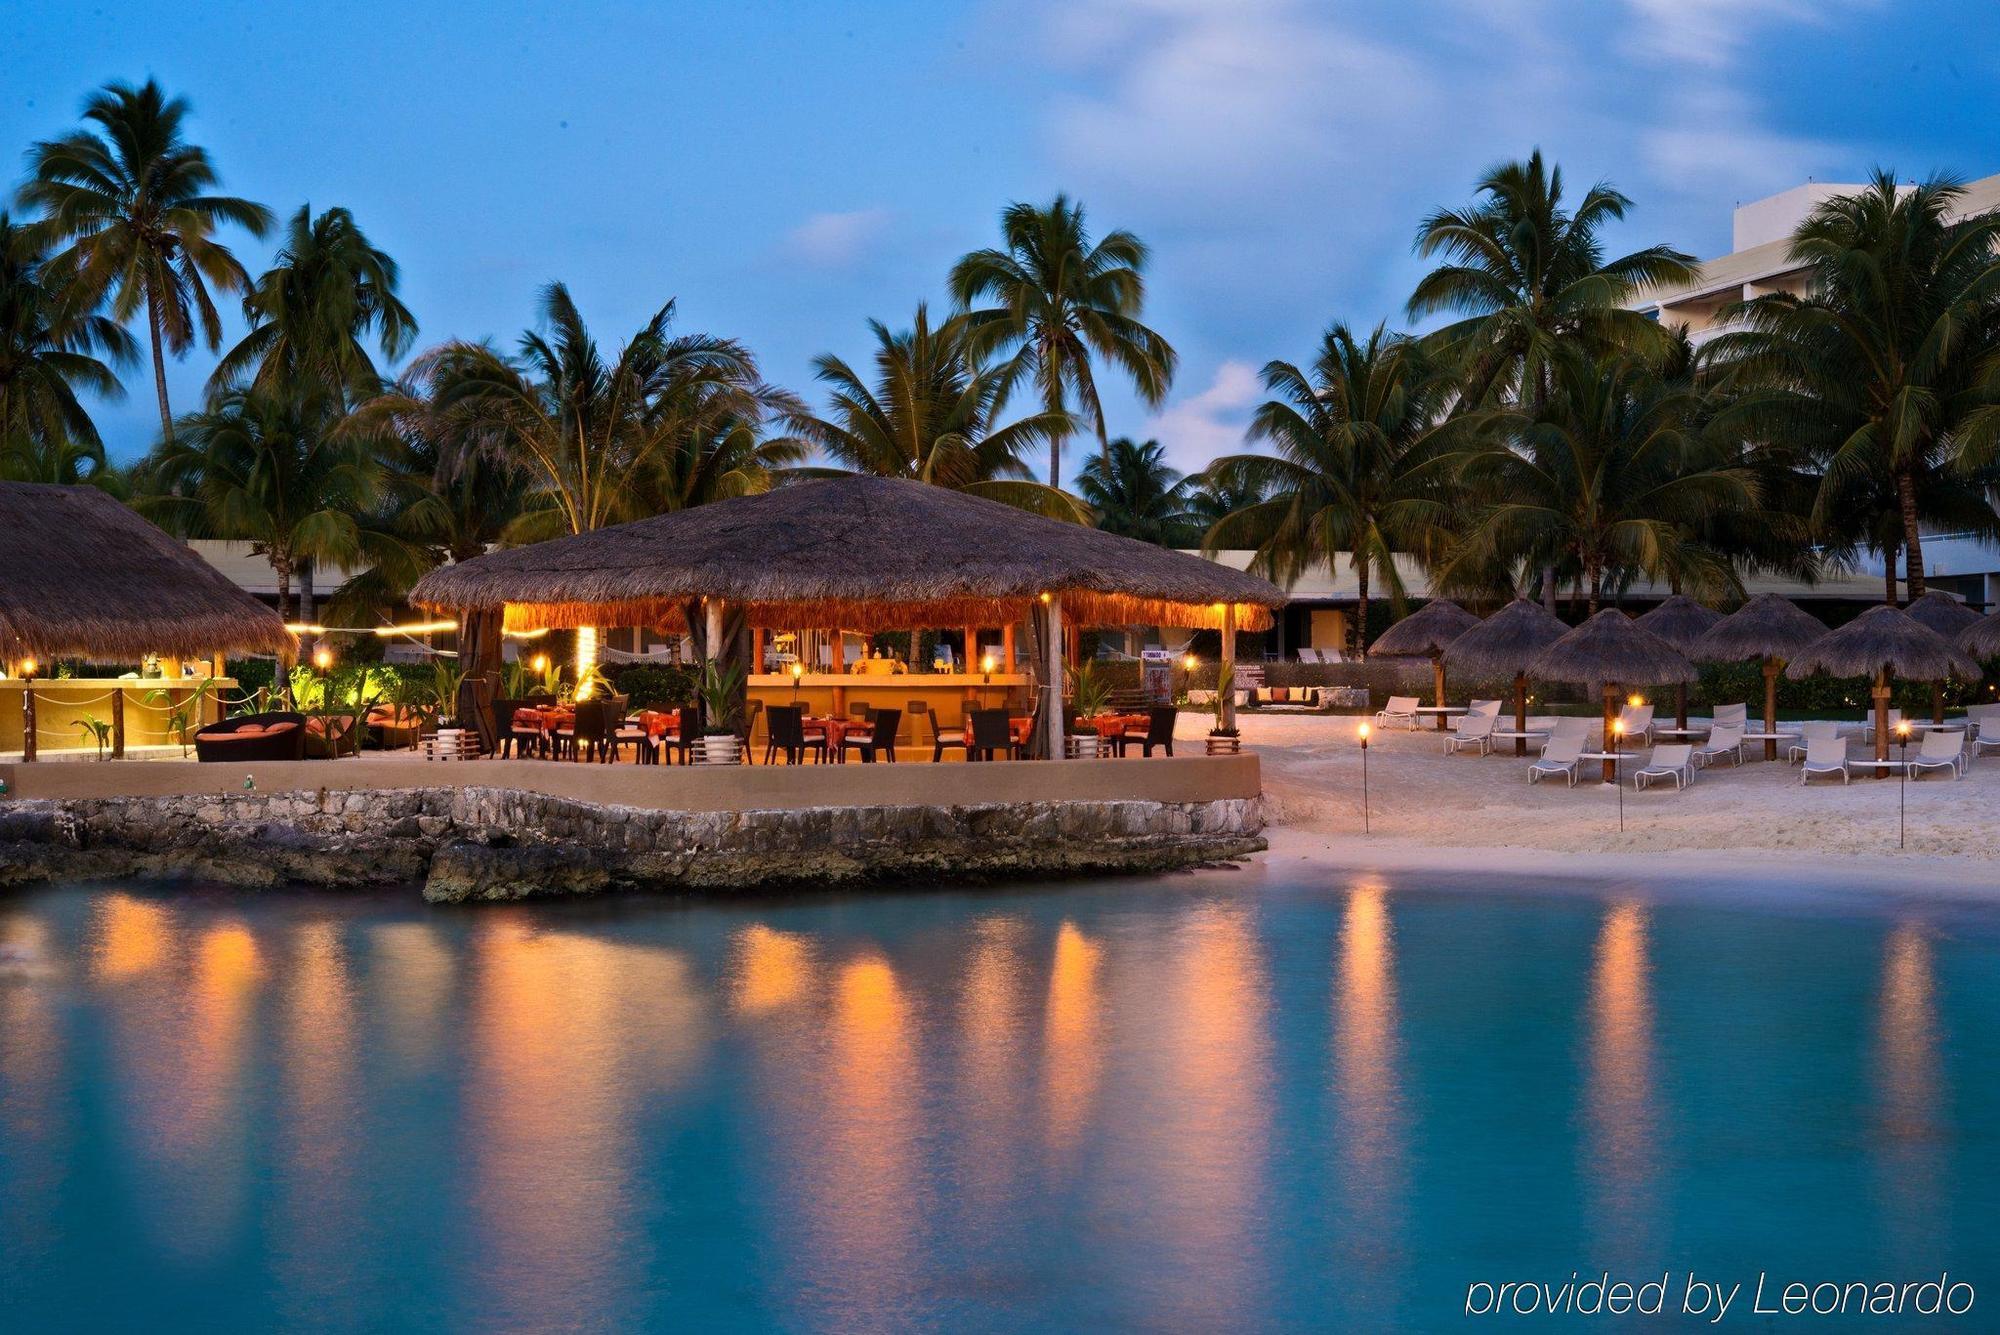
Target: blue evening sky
788, 170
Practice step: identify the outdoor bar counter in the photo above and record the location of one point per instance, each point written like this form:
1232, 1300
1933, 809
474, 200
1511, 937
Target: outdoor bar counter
61, 703
949, 694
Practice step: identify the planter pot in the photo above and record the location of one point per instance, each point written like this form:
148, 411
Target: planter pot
1085, 746
1224, 746
721, 750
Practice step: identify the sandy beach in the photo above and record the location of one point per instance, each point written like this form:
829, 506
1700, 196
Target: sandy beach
1473, 814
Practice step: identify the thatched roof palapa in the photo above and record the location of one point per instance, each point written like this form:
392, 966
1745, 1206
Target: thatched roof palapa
864, 553
1946, 615
1425, 632
1611, 647
1680, 621
1504, 644
1982, 638
1765, 627
1884, 638
82, 575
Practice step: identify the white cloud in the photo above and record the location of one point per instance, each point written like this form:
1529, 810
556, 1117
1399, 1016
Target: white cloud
833, 240
1198, 428
1713, 33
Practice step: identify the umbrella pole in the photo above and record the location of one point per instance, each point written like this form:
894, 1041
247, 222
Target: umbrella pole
1937, 702
1681, 705
1881, 696
1437, 676
1610, 729
1771, 667
1520, 712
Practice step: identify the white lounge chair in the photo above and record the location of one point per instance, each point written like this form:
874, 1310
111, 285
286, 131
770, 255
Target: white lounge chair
1567, 726
1560, 756
1825, 755
1479, 709
1309, 655
1940, 750
1474, 731
1812, 730
1723, 740
1400, 709
1732, 716
1638, 721
1985, 721
1868, 729
1674, 762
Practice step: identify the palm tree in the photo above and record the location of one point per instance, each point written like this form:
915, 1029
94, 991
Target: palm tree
50, 352
1060, 300
1880, 367
1608, 481
269, 468
1136, 494
328, 291
929, 416
129, 198
1354, 438
599, 441
1528, 276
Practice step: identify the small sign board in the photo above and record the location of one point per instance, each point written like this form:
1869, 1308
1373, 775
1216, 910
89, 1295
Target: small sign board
1156, 675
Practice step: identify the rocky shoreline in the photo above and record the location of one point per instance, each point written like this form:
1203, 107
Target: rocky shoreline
492, 844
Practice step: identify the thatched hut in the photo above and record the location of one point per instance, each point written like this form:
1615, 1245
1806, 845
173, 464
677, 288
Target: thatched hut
1680, 621
1426, 633
864, 553
1949, 617
1612, 649
84, 576
1882, 643
1503, 645
1769, 628
1982, 638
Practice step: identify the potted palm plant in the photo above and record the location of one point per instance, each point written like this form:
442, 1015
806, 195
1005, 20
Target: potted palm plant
1224, 740
1089, 692
719, 687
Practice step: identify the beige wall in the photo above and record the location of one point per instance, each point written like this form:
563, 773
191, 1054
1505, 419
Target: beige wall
675, 787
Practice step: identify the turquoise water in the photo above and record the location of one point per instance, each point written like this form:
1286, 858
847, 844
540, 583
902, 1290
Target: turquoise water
1219, 1101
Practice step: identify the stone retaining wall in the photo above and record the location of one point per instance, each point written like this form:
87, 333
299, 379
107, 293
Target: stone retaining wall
497, 844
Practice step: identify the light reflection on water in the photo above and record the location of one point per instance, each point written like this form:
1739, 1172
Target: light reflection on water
1200, 1103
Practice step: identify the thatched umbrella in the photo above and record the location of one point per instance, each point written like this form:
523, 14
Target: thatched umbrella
1949, 617
1982, 638
863, 553
1502, 646
1613, 649
1769, 628
1880, 643
1425, 633
1680, 621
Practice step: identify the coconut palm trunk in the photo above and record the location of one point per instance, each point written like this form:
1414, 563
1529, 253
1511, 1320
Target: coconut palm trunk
1890, 555
1361, 607
159, 366
1913, 541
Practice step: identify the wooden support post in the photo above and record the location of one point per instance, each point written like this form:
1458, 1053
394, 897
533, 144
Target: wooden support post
28, 720
1227, 702
1520, 712
1437, 682
971, 656
1048, 741
1880, 694
118, 723
757, 649
1007, 658
1772, 666
1611, 739
1937, 702
1681, 705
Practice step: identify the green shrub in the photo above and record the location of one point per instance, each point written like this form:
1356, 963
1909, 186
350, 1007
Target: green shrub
651, 686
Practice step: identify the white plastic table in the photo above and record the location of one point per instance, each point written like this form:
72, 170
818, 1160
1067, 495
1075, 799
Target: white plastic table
1441, 711
1891, 765
1682, 732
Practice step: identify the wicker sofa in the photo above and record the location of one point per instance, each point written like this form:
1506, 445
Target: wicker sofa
275, 736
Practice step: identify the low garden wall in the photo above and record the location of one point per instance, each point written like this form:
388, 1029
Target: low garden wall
481, 841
